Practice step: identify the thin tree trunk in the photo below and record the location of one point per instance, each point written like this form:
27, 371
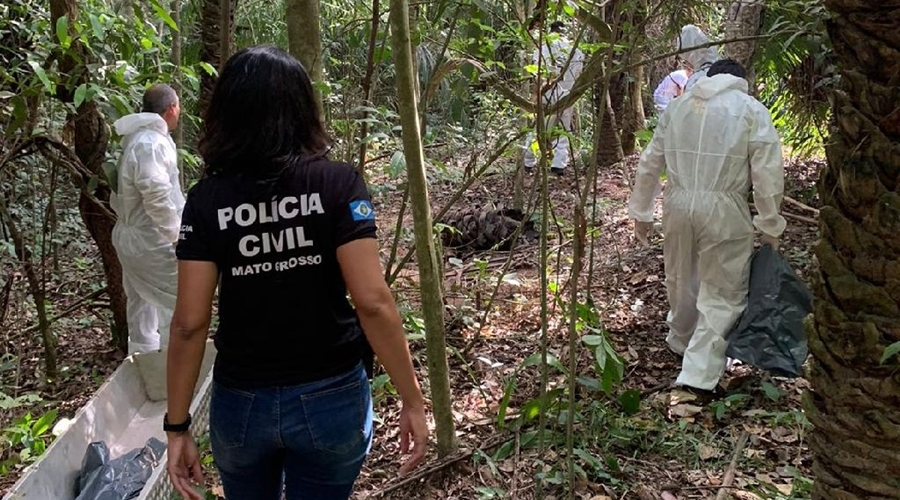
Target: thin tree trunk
367, 85
855, 400
305, 40
35, 287
91, 138
176, 82
429, 277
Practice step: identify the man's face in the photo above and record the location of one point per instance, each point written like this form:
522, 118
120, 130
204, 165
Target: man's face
172, 114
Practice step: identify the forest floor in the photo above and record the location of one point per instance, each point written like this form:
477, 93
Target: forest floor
669, 447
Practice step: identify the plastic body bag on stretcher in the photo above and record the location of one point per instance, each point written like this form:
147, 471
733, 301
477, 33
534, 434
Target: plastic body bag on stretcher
770, 333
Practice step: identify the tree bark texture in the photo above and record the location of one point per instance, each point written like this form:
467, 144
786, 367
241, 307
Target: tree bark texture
745, 19
430, 278
305, 40
91, 138
176, 81
855, 401
217, 40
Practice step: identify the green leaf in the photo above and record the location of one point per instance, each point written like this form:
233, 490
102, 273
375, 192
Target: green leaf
163, 14
592, 340
146, 43
62, 32
97, 28
5, 94
771, 391
20, 113
891, 351
42, 75
398, 164
208, 68
531, 69
80, 94
43, 424
92, 184
630, 401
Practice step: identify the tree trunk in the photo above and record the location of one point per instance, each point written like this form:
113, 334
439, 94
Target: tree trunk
429, 277
217, 40
176, 82
855, 400
744, 20
36, 287
305, 40
91, 138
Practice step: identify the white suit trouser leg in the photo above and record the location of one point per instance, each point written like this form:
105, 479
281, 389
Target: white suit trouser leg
150, 281
682, 281
560, 142
719, 258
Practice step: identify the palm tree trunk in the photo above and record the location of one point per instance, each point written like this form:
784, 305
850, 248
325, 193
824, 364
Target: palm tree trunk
855, 400
744, 20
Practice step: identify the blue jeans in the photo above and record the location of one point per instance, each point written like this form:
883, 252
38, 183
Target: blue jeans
309, 440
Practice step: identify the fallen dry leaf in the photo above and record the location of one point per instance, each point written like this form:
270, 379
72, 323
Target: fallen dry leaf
707, 452
685, 410
668, 496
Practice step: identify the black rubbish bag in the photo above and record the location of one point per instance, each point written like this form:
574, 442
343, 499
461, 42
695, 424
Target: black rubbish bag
122, 478
770, 333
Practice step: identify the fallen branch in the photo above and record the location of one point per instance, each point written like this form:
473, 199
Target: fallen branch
441, 464
800, 218
728, 480
801, 205
69, 310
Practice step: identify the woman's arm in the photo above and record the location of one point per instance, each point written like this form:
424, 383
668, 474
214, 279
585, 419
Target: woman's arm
381, 323
196, 285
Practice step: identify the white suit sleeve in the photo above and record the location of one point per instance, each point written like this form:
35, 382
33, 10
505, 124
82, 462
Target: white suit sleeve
646, 183
152, 181
766, 174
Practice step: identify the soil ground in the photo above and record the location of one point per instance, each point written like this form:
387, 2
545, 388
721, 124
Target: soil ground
666, 448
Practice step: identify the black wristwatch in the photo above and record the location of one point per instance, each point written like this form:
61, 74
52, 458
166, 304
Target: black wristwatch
176, 428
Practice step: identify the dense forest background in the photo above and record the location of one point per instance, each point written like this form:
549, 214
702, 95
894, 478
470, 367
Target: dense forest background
535, 319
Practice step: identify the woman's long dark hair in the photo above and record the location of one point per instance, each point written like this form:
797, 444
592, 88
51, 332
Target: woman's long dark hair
261, 116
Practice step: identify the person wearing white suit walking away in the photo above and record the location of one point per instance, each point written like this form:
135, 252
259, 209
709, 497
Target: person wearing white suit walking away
716, 143
563, 71
148, 202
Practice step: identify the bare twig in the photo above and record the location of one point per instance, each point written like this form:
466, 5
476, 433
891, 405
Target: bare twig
800, 218
728, 480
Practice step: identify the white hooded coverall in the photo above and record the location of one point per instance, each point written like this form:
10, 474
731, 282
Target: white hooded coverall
715, 142
699, 59
669, 88
555, 52
148, 202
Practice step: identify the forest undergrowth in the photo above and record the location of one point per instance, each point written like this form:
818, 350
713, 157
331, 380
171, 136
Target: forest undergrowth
635, 438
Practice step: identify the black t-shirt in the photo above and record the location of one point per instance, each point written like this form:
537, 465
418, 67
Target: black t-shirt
284, 317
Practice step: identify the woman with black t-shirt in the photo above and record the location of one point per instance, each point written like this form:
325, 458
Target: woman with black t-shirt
285, 234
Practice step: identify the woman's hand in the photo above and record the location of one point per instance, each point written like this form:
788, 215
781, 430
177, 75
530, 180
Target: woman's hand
184, 465
413, 427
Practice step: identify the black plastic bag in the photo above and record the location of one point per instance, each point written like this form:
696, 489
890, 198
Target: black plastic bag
118, 479
770, 333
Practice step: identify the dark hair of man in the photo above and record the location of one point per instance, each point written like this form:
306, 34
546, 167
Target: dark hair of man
557, 27
158, 99
262, 115
727, 66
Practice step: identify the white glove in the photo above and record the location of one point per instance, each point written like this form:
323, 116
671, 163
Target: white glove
642, 232
772, 241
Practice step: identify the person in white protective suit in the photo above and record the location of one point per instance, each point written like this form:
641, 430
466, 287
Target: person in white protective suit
563, 71
669, 88
148, 202
716, 142
698, 60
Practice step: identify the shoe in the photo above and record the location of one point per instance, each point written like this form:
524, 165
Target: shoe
557, 171
701, 396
